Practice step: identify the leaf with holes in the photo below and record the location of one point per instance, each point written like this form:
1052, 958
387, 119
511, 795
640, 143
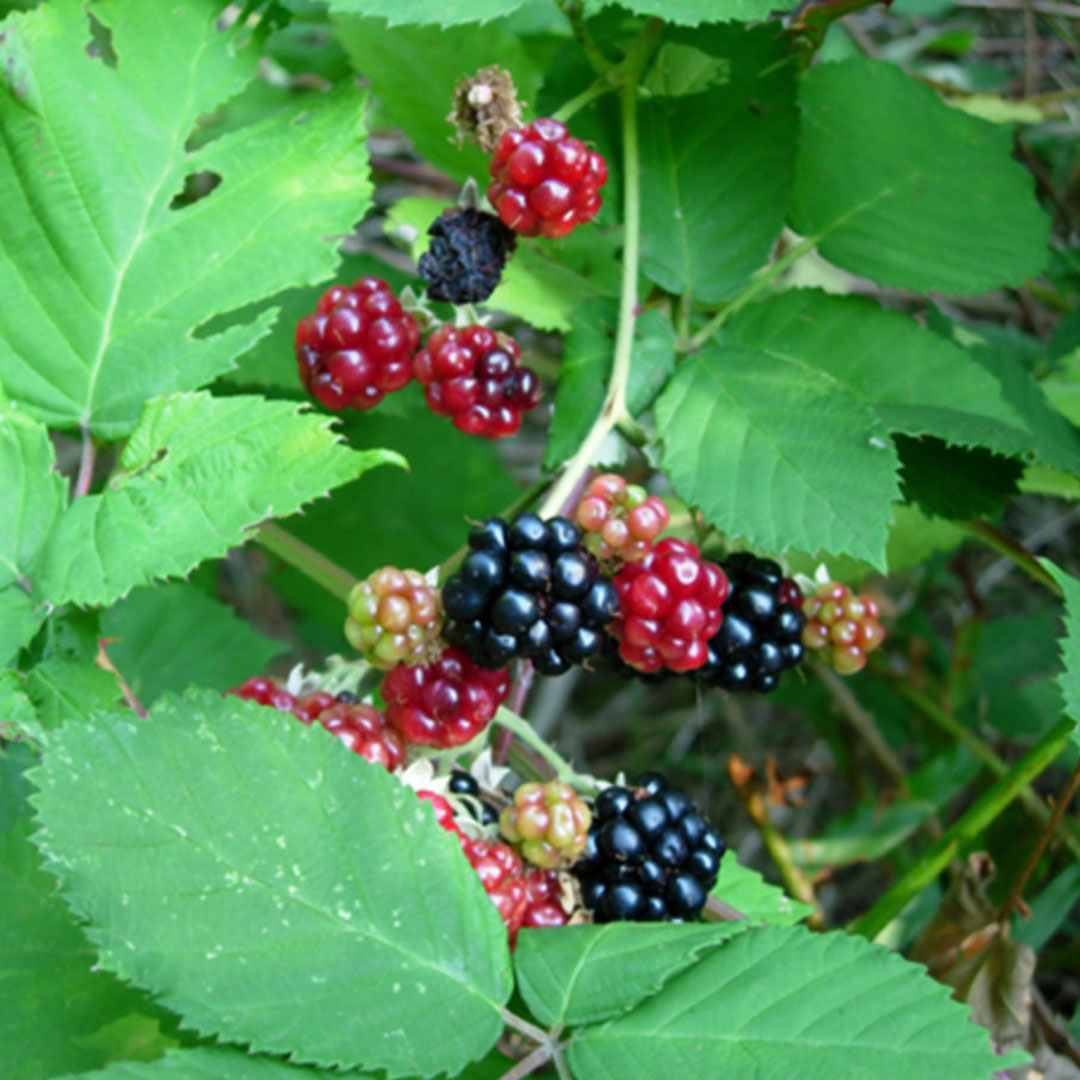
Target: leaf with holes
778, 453
709, 218
584, 974
197, 473
107, 271
902, 189
781, 1002
274, 888
32, 497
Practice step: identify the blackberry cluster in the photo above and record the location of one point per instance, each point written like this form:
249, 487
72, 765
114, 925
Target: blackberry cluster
528, 589
651, 856
761, 635
468, 252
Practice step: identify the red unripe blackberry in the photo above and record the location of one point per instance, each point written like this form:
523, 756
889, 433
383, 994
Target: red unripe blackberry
474, 376
544, 901
502, 875
444, 814
357, 347
266, 692
544, 181
620, 521
395, 617
445, 703
670, 604
548, 823
842, 626
364, 730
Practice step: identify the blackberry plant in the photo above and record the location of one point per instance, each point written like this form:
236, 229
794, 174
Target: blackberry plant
800, 292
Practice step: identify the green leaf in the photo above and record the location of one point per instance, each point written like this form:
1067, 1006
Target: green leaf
705, 228
64, 690
929, 386
197, 473
32, 496
694, 12
53, 996
427, 12
173, 636
902, 189
274, 888
1049, 909
781, 1002
748, 892
778, 453
208, 1063
413, 70
586, 368
1069, 680
105, 278
956, 482
584, 974
15, 759
914, 537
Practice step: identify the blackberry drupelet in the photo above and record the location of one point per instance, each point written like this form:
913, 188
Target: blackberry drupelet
761, 635
528, 589
651, 856
468, 252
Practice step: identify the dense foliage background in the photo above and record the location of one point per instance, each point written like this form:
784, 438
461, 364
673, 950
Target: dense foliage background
833, 291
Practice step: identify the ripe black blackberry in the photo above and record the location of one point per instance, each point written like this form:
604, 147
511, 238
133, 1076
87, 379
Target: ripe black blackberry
761, 635
528, 589
651, 855
464, 783
467, 254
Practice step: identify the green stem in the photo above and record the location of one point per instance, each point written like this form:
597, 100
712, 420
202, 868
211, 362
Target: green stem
757, 286
614, 408
981, 751
524, 731
586, 97
966, 829
313, 565
1012, 549
574, 10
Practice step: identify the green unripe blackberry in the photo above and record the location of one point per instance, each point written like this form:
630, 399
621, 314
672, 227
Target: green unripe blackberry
395, 617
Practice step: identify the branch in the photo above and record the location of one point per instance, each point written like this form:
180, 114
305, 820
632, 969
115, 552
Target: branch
312, 564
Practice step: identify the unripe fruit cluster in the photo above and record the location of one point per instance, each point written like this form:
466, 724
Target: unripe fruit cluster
620, 521
670, 605
395, 617
842, 626
548, 823
357, 347
474, 376
545, 182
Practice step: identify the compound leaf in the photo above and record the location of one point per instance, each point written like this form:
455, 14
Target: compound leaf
196, 474
105, 271
272, 887
904, 190
588, 973
1069, 680
780, 1001
208, 1063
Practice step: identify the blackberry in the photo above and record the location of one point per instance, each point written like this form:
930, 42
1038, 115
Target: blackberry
467, 254
842, 626
528, 589
761, 635
464, 783
651, 856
